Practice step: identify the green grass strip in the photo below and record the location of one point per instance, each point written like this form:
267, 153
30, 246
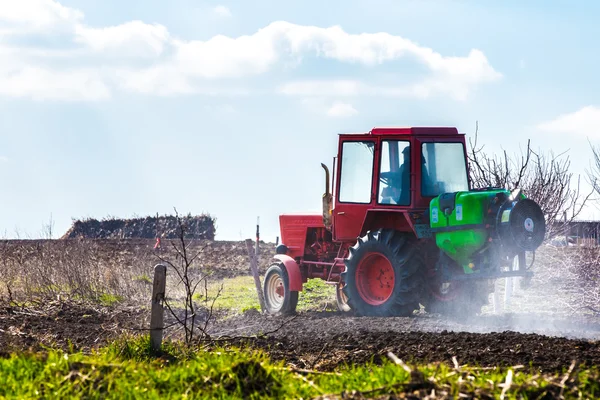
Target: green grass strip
127, 370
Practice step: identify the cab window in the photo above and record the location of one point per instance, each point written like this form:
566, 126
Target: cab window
394, 173
356, 172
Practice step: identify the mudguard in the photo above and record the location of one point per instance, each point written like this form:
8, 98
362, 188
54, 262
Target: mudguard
293, 271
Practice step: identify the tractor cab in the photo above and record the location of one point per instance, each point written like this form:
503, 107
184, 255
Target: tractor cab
392, 170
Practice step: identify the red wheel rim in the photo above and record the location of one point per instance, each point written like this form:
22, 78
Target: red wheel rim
375, 279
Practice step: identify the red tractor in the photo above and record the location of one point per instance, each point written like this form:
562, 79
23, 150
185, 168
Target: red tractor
401, 227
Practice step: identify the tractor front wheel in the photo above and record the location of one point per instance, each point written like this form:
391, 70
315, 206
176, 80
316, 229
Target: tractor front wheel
384, 274
279, 299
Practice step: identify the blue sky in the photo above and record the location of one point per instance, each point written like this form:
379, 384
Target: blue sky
132, 108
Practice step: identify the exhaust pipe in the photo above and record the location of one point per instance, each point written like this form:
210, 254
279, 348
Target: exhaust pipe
327, 200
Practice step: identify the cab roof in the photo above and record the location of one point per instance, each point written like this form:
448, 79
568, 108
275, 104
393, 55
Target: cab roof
420, 130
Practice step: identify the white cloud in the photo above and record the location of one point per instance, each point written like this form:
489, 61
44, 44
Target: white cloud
584, 122
347, 88
351, 88
3, 159
222, 11
44, 84
145, 58
167, 80
453, 76
160, 80
133, 38
37, 14
323, 88
341, 110
223, 56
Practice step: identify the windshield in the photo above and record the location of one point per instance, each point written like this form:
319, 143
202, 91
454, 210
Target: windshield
443, 169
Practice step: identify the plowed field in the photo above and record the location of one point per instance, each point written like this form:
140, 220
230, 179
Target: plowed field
541, 334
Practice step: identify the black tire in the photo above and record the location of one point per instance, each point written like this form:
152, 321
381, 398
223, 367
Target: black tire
285, 304
397, 297
465, 299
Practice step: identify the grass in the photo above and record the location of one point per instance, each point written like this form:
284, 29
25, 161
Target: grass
239, 295
107, 299
127, 369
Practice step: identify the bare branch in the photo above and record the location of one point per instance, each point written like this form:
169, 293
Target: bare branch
545, 178
185, 272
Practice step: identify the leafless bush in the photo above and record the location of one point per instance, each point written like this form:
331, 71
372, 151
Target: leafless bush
569, 278
190, 277
593, 174
72, 270
112, 269
48, 229
544, 177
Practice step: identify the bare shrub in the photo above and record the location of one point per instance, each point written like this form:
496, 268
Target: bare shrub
72, 270
48, 229
544, 177
593, 174
189, 278
569, 277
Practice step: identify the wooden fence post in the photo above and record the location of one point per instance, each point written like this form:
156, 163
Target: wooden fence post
157, 316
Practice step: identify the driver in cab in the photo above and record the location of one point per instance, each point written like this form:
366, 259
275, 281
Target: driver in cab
397, 190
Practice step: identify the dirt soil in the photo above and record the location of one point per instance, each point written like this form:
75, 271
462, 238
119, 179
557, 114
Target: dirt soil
326, 340
61, 325
317, 340
534, 332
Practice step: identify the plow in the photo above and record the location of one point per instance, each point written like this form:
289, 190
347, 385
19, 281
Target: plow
402, 227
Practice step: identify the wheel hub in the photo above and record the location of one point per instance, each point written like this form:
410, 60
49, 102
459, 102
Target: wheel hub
375, 279
529, 225
275, 291
279, 290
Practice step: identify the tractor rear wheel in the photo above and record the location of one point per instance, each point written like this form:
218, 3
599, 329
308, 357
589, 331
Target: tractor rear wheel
384, 274
279, 299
